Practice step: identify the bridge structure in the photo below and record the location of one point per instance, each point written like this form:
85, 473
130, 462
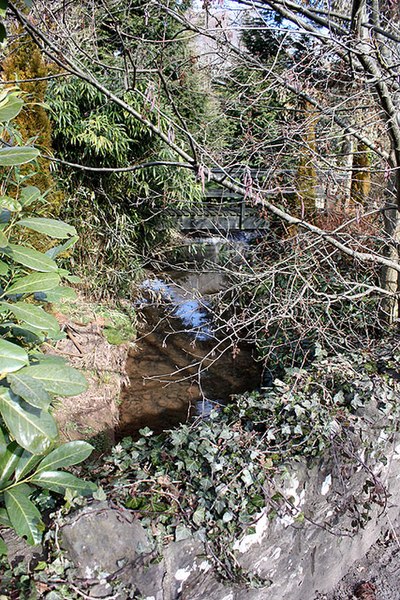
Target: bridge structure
223, 210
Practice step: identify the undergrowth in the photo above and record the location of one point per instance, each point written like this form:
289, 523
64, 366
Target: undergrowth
213, 478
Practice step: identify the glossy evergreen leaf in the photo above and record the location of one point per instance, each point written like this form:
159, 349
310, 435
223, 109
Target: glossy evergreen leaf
34, 429
29, 334
31, 390
3, 547
33, 315
3, 442
29, 194
4, 520
66, 455
54, 252
26, 464
39, 357
51, 227
12, 357
23, 514
18, 155
4, 268
57, 379
10, 107
5, 216
9, 461
11, 204
59, 293
33, 259
37, 282
3, 240
60, 482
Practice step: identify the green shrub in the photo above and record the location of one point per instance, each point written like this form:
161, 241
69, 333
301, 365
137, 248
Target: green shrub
29, 457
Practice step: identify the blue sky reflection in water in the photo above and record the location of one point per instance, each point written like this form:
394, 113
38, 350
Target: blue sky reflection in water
193, 314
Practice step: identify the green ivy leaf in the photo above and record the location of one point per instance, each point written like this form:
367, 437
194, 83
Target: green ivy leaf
30, 389
19, 155
60, 482
33, 315
37, 282
199, 516
57, 379
51, 227
23, 514
12, 357
33, 259
34, 429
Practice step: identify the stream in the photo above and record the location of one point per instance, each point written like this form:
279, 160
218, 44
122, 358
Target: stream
182, 366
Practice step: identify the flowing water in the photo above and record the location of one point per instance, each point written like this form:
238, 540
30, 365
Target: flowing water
181, 366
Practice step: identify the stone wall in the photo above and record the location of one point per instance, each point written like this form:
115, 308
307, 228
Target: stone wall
320, 519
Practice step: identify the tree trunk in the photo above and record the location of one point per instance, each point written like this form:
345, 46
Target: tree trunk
390, 277
361, 175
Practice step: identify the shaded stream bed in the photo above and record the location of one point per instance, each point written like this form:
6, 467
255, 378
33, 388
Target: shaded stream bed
181, 366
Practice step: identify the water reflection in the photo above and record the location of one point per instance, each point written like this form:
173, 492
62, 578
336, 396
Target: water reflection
181, 367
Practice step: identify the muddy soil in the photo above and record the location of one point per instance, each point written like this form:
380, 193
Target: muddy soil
94, 414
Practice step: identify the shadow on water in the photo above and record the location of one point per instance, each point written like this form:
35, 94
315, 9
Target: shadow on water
180, 366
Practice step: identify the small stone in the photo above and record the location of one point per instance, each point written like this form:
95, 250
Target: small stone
101, 590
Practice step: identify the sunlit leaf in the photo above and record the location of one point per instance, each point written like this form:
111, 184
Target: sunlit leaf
4, 268
60, 482
29, 194
12, 357
37, 282
9, 461
58, 293
57, 379
11, 204
10, 107
33, 315
23, 514
54, 252
19, 155
51, 227
26, 464
33, 259
66, 455
3, 240
34, 429
31, 390
3, 442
